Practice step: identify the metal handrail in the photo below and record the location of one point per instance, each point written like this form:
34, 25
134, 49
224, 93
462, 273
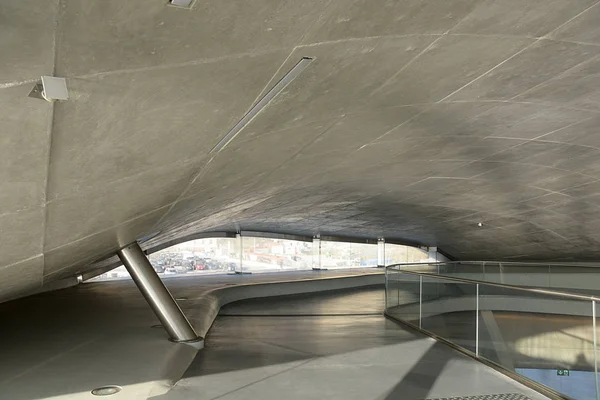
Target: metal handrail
524, 263
501, 285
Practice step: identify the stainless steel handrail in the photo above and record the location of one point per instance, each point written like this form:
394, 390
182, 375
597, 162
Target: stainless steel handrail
524, 263
501, 285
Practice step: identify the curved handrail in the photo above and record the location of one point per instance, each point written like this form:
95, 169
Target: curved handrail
524, 263
501, 285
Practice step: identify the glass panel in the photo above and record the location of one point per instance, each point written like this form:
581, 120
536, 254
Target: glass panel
273, 255
201, 256
461, 270
449, 310
336, 255
404, 295
584, 280
214, 255
391, 286
546, 338
399, 254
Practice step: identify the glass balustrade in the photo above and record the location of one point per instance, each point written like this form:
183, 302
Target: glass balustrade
546, 336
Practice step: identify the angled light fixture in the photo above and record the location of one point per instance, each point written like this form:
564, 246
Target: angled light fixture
50, 89
54, 88
182, 3
262, 103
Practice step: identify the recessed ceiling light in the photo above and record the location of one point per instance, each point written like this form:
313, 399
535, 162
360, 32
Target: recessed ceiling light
182, 3
262, 103
106, 390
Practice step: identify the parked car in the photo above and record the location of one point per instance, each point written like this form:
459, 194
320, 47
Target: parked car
170, 271
157, 267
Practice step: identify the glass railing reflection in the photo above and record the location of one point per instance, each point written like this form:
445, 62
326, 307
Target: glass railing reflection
546, 336
574, 278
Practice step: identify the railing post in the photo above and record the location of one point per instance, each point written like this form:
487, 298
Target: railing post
483, 269
385, 273
420, 299
398, 286
477, 321
595, 350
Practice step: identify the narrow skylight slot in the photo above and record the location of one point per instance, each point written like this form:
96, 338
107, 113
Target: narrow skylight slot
262, 103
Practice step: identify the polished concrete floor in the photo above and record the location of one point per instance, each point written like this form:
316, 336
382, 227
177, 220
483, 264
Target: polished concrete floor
328, 346
60, 345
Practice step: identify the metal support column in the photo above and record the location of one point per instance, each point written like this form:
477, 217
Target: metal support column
381, 252
156, 294
240, 252
316, 253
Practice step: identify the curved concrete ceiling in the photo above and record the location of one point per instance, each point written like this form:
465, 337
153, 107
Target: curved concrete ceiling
417, 120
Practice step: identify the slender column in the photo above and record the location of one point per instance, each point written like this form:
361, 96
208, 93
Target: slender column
381, 252
240, 251
316, 253
156, 294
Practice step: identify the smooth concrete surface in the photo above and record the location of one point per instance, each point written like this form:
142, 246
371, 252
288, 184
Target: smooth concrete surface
63, 344
328, 346
416, 121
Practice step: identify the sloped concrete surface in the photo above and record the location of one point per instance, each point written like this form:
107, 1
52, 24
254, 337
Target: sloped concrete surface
63, 344
416, 121
329, 345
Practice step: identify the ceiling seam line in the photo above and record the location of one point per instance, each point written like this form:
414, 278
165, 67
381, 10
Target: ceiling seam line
571, 19
245, 190
489, 71
556, 77
405, 66
202, 170
108, 229
50, 139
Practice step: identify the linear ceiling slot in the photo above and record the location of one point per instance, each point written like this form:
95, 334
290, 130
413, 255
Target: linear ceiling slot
262, 103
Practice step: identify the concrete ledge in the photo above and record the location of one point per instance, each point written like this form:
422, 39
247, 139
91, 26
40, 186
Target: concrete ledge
203, 310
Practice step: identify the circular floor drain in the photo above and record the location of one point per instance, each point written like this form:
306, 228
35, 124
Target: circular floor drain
106, 390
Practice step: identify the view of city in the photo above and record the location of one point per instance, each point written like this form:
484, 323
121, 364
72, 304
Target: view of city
260, 255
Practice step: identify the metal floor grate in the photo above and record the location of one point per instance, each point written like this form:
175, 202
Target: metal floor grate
501, 396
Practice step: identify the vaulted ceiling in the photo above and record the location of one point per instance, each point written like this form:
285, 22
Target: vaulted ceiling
416, 120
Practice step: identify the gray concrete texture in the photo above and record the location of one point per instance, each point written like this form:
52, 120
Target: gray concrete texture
415, 121
107, 327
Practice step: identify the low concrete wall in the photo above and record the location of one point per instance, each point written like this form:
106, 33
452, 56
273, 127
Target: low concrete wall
203, 310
